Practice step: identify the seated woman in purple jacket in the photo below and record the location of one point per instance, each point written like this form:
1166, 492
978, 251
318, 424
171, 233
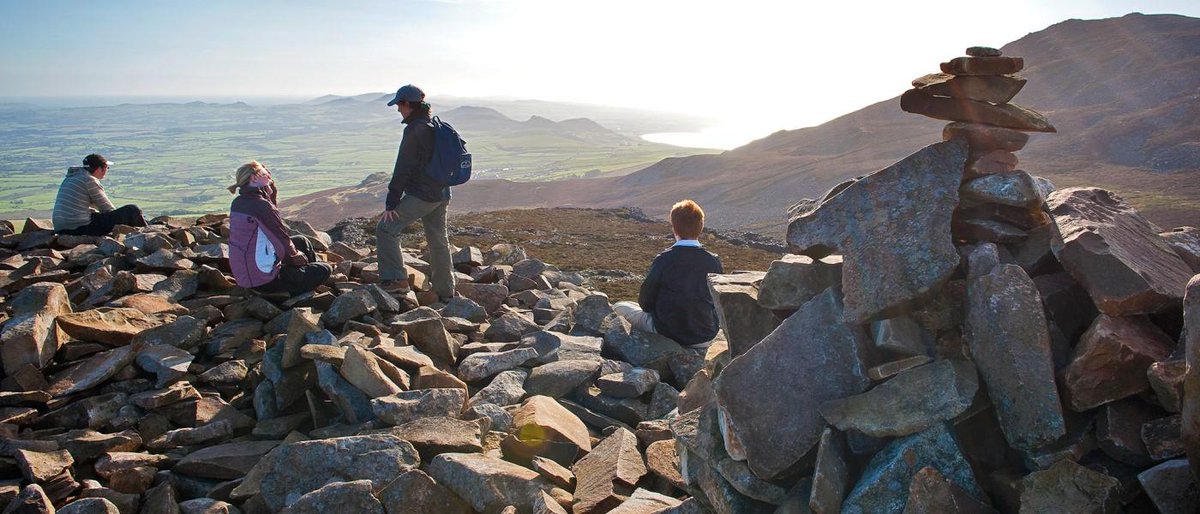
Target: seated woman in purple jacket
261, 255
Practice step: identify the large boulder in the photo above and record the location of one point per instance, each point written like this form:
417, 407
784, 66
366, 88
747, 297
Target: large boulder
607, 474
744, 321
114, 326
1007, 335
883, 487
1118, 256
771, 393
893, 230
1111, 359
296, 469
489, 484
31, 336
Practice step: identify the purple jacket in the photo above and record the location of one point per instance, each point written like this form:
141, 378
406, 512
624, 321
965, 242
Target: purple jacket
258, 238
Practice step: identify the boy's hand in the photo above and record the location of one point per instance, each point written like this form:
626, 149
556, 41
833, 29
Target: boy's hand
389, 216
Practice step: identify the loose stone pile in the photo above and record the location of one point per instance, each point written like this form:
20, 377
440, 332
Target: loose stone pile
139, 378
948, 334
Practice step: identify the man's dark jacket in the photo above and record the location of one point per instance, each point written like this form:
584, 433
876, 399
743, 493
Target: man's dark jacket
408, 177
676, 295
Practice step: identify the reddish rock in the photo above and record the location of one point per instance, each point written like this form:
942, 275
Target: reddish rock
31, 335
1010, 116
1118, 256
991, 65
1111, 359
997, 89
1191, 382
606, 474
995, 161
114, 326
931, 493
985, 138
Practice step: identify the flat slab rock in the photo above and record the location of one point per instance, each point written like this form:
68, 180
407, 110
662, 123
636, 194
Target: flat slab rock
1069, 484
771, 393
1119, 257
299, 468
911, 402
114, 326
489, 484
892, 229
1006, 332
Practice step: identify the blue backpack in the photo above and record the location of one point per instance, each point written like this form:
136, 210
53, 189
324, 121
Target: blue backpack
451, 163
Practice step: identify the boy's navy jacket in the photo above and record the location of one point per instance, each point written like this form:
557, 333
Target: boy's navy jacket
408, 176
676, 294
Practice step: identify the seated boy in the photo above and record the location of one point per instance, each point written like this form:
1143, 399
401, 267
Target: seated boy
675, 301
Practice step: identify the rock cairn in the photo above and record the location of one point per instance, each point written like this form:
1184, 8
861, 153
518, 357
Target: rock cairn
137, 377
951, 334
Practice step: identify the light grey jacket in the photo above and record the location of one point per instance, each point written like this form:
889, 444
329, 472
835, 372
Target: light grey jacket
78, 197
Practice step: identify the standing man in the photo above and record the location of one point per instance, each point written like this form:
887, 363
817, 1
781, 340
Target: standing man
413, 195
83, 209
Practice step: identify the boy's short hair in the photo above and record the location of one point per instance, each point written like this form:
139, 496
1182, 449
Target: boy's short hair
687, 219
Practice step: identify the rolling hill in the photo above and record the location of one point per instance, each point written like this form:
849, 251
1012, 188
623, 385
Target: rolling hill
1123, 92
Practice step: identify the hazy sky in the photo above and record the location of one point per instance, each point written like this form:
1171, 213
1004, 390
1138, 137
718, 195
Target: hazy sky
791, 63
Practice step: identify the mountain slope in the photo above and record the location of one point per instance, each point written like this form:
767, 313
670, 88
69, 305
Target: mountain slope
1122, 92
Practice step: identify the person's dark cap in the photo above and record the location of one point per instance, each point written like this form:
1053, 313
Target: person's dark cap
409, 93
96, 160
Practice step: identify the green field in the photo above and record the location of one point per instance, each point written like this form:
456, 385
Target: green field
178, 158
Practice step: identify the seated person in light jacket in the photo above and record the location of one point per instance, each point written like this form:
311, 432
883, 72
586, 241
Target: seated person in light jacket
83, 209
675, 301
261, 255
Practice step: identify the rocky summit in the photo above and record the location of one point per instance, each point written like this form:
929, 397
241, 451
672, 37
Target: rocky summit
951, 334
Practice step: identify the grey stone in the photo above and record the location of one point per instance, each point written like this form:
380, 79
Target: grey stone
31, 336
298, 468
642, 349
893, 230
591, 312
89, 506
795, 279
1016, 189
1186, 242
437, 435
901, 335
771, 393
506, 388
462, 307
630, 384
559, 378
607, 473
830, 478
431, 338
1007, 335
1070, 488
166, 362
227, 461
1171, 487
355, 496
349, 306
479, 366
883, 487
414, 492
407, 406
911, 402
489, 484
510, 327
741, 318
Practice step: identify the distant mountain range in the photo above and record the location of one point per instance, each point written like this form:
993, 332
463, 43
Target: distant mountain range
1123, 92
